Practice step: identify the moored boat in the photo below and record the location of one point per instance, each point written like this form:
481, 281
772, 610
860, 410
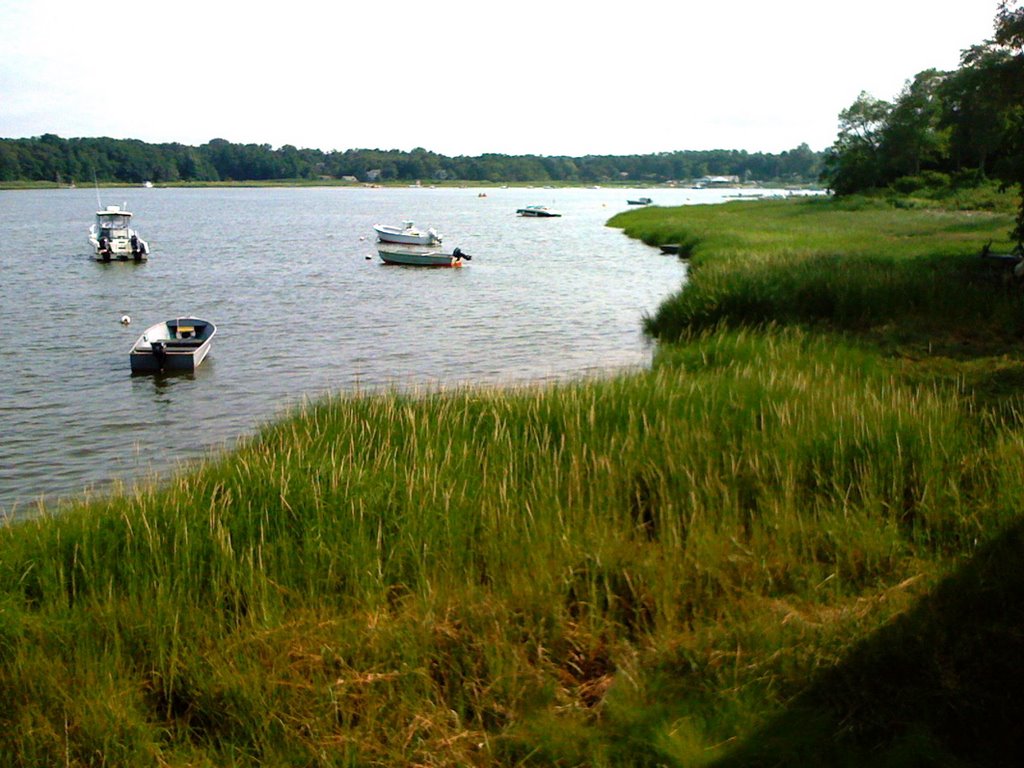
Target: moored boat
406, 234
180, 344
112, 237
640, 201
537, 211
414, 257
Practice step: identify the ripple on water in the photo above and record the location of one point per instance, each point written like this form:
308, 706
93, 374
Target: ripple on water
300, 312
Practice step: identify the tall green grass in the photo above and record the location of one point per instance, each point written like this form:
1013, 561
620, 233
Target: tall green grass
856, 265
597, 573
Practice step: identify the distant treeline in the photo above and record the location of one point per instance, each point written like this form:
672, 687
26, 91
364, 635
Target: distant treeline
52, 158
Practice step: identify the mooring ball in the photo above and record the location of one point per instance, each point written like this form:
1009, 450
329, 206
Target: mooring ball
125, 320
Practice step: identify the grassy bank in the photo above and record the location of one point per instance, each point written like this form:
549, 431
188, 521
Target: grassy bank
796, 536
862, 266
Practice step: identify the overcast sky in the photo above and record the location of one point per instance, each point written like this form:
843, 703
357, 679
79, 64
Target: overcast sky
464, 77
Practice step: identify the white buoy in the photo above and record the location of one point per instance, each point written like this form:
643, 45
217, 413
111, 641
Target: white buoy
125, 320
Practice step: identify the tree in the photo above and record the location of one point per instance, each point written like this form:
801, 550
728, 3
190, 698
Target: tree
1010, 36
800, 162
942, 121
912, 137
853, 163
976, 114
10, 166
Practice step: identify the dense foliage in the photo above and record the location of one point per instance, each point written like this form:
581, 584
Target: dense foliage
52, 158
943, 127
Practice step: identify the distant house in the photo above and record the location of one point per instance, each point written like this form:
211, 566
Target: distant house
373, 175
349, 178
718, 181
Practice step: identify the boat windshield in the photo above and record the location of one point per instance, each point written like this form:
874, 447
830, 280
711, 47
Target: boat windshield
113, 221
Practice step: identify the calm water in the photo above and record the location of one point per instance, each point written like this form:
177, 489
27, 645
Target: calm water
301, 311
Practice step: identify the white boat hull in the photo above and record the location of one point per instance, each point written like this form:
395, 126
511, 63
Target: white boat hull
410, 257
119, 248
406, 236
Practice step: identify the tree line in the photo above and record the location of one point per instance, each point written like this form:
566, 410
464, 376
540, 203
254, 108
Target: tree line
52, 158
957, 127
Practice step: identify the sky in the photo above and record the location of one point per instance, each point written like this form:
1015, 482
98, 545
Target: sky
467, 77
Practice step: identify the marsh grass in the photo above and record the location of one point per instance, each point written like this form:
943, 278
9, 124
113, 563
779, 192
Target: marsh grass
859, 265
471, 576
641, 570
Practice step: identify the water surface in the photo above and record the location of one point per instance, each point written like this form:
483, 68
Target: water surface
303, 308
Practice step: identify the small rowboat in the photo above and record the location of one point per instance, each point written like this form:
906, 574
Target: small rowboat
413, 257
180, 344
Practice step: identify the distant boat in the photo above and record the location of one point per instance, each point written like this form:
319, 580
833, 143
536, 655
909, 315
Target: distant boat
112, 238
415, 257
640, 201
180, 344
537, 211
406, 234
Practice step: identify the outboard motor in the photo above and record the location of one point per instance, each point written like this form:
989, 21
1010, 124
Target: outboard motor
104, 247
159, 352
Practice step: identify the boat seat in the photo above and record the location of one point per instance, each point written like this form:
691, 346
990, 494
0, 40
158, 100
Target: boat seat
183, 343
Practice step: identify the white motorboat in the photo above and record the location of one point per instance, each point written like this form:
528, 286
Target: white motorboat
180, 344
406, 234
417, 257
112, 237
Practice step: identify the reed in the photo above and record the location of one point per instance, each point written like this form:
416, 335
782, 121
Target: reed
637, 570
